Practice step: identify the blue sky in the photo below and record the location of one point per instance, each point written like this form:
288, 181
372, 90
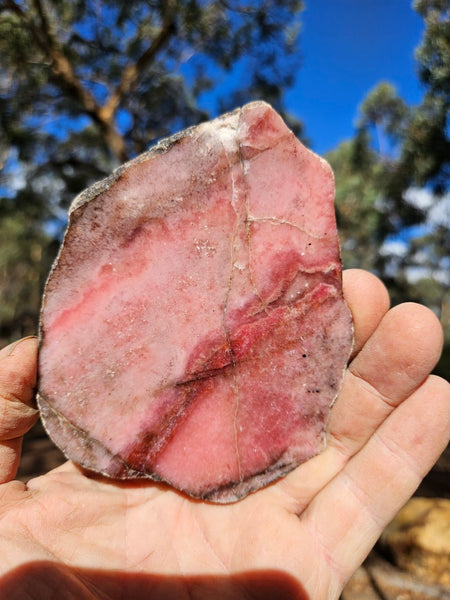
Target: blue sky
348, 46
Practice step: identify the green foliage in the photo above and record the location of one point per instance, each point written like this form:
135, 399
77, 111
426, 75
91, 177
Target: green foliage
428, 149
359, 220
433, 54
94, 83
398, 149
386, 112
87, 84
24, 258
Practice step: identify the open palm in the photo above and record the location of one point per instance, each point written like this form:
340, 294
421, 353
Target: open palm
69, 534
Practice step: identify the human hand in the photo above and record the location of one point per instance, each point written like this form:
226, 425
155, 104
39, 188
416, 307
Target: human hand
70, 534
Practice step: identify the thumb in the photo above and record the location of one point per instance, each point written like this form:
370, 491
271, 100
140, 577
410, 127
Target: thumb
17, 409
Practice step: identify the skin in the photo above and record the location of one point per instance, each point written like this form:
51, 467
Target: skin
68, 534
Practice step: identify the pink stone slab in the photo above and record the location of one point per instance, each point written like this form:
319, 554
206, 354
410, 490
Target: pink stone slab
193, 328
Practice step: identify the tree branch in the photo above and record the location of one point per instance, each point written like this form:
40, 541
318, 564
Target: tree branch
62, 67
133, 71
245, 10
49, 45
65, 74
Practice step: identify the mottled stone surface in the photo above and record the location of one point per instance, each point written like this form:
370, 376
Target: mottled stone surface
193, 328
360, 587
418, 539
380, 580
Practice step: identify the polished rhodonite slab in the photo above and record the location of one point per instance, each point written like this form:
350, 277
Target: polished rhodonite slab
193, 328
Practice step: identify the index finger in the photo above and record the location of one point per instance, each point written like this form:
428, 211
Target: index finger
18, 414
368, 300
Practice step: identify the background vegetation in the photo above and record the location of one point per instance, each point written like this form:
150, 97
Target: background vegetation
87, 84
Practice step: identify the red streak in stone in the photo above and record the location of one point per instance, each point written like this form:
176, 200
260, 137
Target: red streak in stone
218, 358
85, 305
143, 454
216, 353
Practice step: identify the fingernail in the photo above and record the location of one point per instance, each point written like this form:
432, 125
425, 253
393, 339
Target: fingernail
8, 350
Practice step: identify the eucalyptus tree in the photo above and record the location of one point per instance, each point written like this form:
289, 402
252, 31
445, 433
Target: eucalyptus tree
87, 84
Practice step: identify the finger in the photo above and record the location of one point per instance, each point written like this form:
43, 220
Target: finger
393, 363
350, 513
10, 451
368, 300
17, 410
